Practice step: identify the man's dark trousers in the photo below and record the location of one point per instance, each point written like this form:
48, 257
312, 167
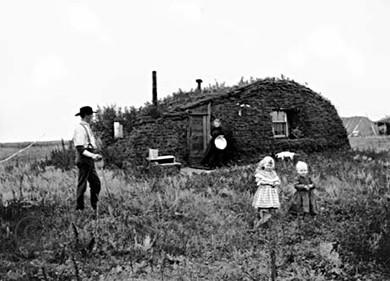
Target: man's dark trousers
87, 173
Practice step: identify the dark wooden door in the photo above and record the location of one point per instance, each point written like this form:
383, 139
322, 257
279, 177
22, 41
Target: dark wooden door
198, 137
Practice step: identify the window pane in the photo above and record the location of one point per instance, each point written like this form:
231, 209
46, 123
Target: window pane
280, 129
278, 116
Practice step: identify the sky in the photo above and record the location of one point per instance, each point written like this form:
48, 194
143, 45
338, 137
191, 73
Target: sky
57, 56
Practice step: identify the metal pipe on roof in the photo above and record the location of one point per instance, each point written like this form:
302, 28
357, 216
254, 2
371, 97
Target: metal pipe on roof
154, 91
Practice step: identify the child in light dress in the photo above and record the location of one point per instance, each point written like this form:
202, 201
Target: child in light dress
266, 198
304, 200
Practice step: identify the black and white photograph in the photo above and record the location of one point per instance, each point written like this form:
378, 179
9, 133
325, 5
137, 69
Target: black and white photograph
184, 140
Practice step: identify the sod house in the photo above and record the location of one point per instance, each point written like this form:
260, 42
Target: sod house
265, 117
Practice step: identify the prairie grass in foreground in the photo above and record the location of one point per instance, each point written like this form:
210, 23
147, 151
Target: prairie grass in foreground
198, 227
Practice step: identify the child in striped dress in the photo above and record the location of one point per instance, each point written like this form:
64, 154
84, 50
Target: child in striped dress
266, 198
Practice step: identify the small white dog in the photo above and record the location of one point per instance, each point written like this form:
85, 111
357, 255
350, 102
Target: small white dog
285, 154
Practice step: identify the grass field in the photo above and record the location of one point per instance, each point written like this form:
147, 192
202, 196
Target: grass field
37, 151
199, 227
370, 143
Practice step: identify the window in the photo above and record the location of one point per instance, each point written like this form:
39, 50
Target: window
279, 124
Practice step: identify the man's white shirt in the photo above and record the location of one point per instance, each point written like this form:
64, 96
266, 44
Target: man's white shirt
83, 135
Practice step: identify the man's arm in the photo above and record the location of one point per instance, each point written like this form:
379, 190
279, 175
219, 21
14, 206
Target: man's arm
79, 139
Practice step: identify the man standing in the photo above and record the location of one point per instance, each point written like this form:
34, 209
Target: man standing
85, 144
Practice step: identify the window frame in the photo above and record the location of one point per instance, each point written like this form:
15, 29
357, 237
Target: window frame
284, 122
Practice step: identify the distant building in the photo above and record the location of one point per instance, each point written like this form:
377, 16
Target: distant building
359, 126
383, 126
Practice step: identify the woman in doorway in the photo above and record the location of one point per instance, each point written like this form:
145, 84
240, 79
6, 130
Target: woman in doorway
215, 153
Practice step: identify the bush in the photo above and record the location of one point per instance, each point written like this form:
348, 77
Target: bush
103, 125
62, 158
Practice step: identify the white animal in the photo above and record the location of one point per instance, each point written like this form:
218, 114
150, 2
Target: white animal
285, 154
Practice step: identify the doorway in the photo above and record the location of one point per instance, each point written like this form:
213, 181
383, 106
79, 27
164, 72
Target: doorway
198, 135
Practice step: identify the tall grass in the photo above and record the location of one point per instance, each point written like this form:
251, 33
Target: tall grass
198, 227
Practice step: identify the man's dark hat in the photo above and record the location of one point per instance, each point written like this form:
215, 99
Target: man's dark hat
85, 110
